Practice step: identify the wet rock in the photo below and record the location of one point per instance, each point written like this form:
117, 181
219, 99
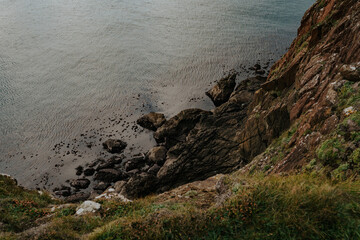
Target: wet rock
157, 154
109, 175
151, 121
80, 183
221, 92
89, 171
77, 197
154, 169
101, 186
88, 207
114, 145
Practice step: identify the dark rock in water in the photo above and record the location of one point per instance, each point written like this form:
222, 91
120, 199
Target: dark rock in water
154, 169
77, 197
89, 171
157, 155
221, 92
176, 128
260, 71
110, 163
79, 170
109, 175
101, 186
114, 145
151, 121
80, 183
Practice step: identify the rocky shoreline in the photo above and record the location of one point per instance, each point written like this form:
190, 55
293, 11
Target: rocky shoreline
193, 145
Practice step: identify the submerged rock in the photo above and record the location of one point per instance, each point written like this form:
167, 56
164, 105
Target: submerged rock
114, 145
151, 121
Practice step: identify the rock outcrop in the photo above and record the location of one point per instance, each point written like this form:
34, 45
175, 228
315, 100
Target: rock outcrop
221, 92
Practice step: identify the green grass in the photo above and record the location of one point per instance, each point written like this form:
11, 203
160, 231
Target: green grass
274, 207
261, 207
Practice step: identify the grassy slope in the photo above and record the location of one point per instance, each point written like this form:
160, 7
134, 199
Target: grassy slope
262, 207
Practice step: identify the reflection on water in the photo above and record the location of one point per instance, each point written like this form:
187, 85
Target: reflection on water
67, 67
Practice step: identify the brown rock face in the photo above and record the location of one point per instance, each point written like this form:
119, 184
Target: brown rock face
221, 92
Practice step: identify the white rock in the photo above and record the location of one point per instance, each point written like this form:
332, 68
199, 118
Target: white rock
88, 207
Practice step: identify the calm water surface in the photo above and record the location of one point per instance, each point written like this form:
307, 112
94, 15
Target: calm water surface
76, 72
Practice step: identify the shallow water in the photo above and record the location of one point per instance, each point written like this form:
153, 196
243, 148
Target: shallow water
86, 69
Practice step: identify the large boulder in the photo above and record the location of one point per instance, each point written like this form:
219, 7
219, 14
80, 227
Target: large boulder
151, 121
80, 183
114, 145
221, 92
109, 175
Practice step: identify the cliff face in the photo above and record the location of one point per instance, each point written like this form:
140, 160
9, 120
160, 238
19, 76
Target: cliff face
309, 88
306, 110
